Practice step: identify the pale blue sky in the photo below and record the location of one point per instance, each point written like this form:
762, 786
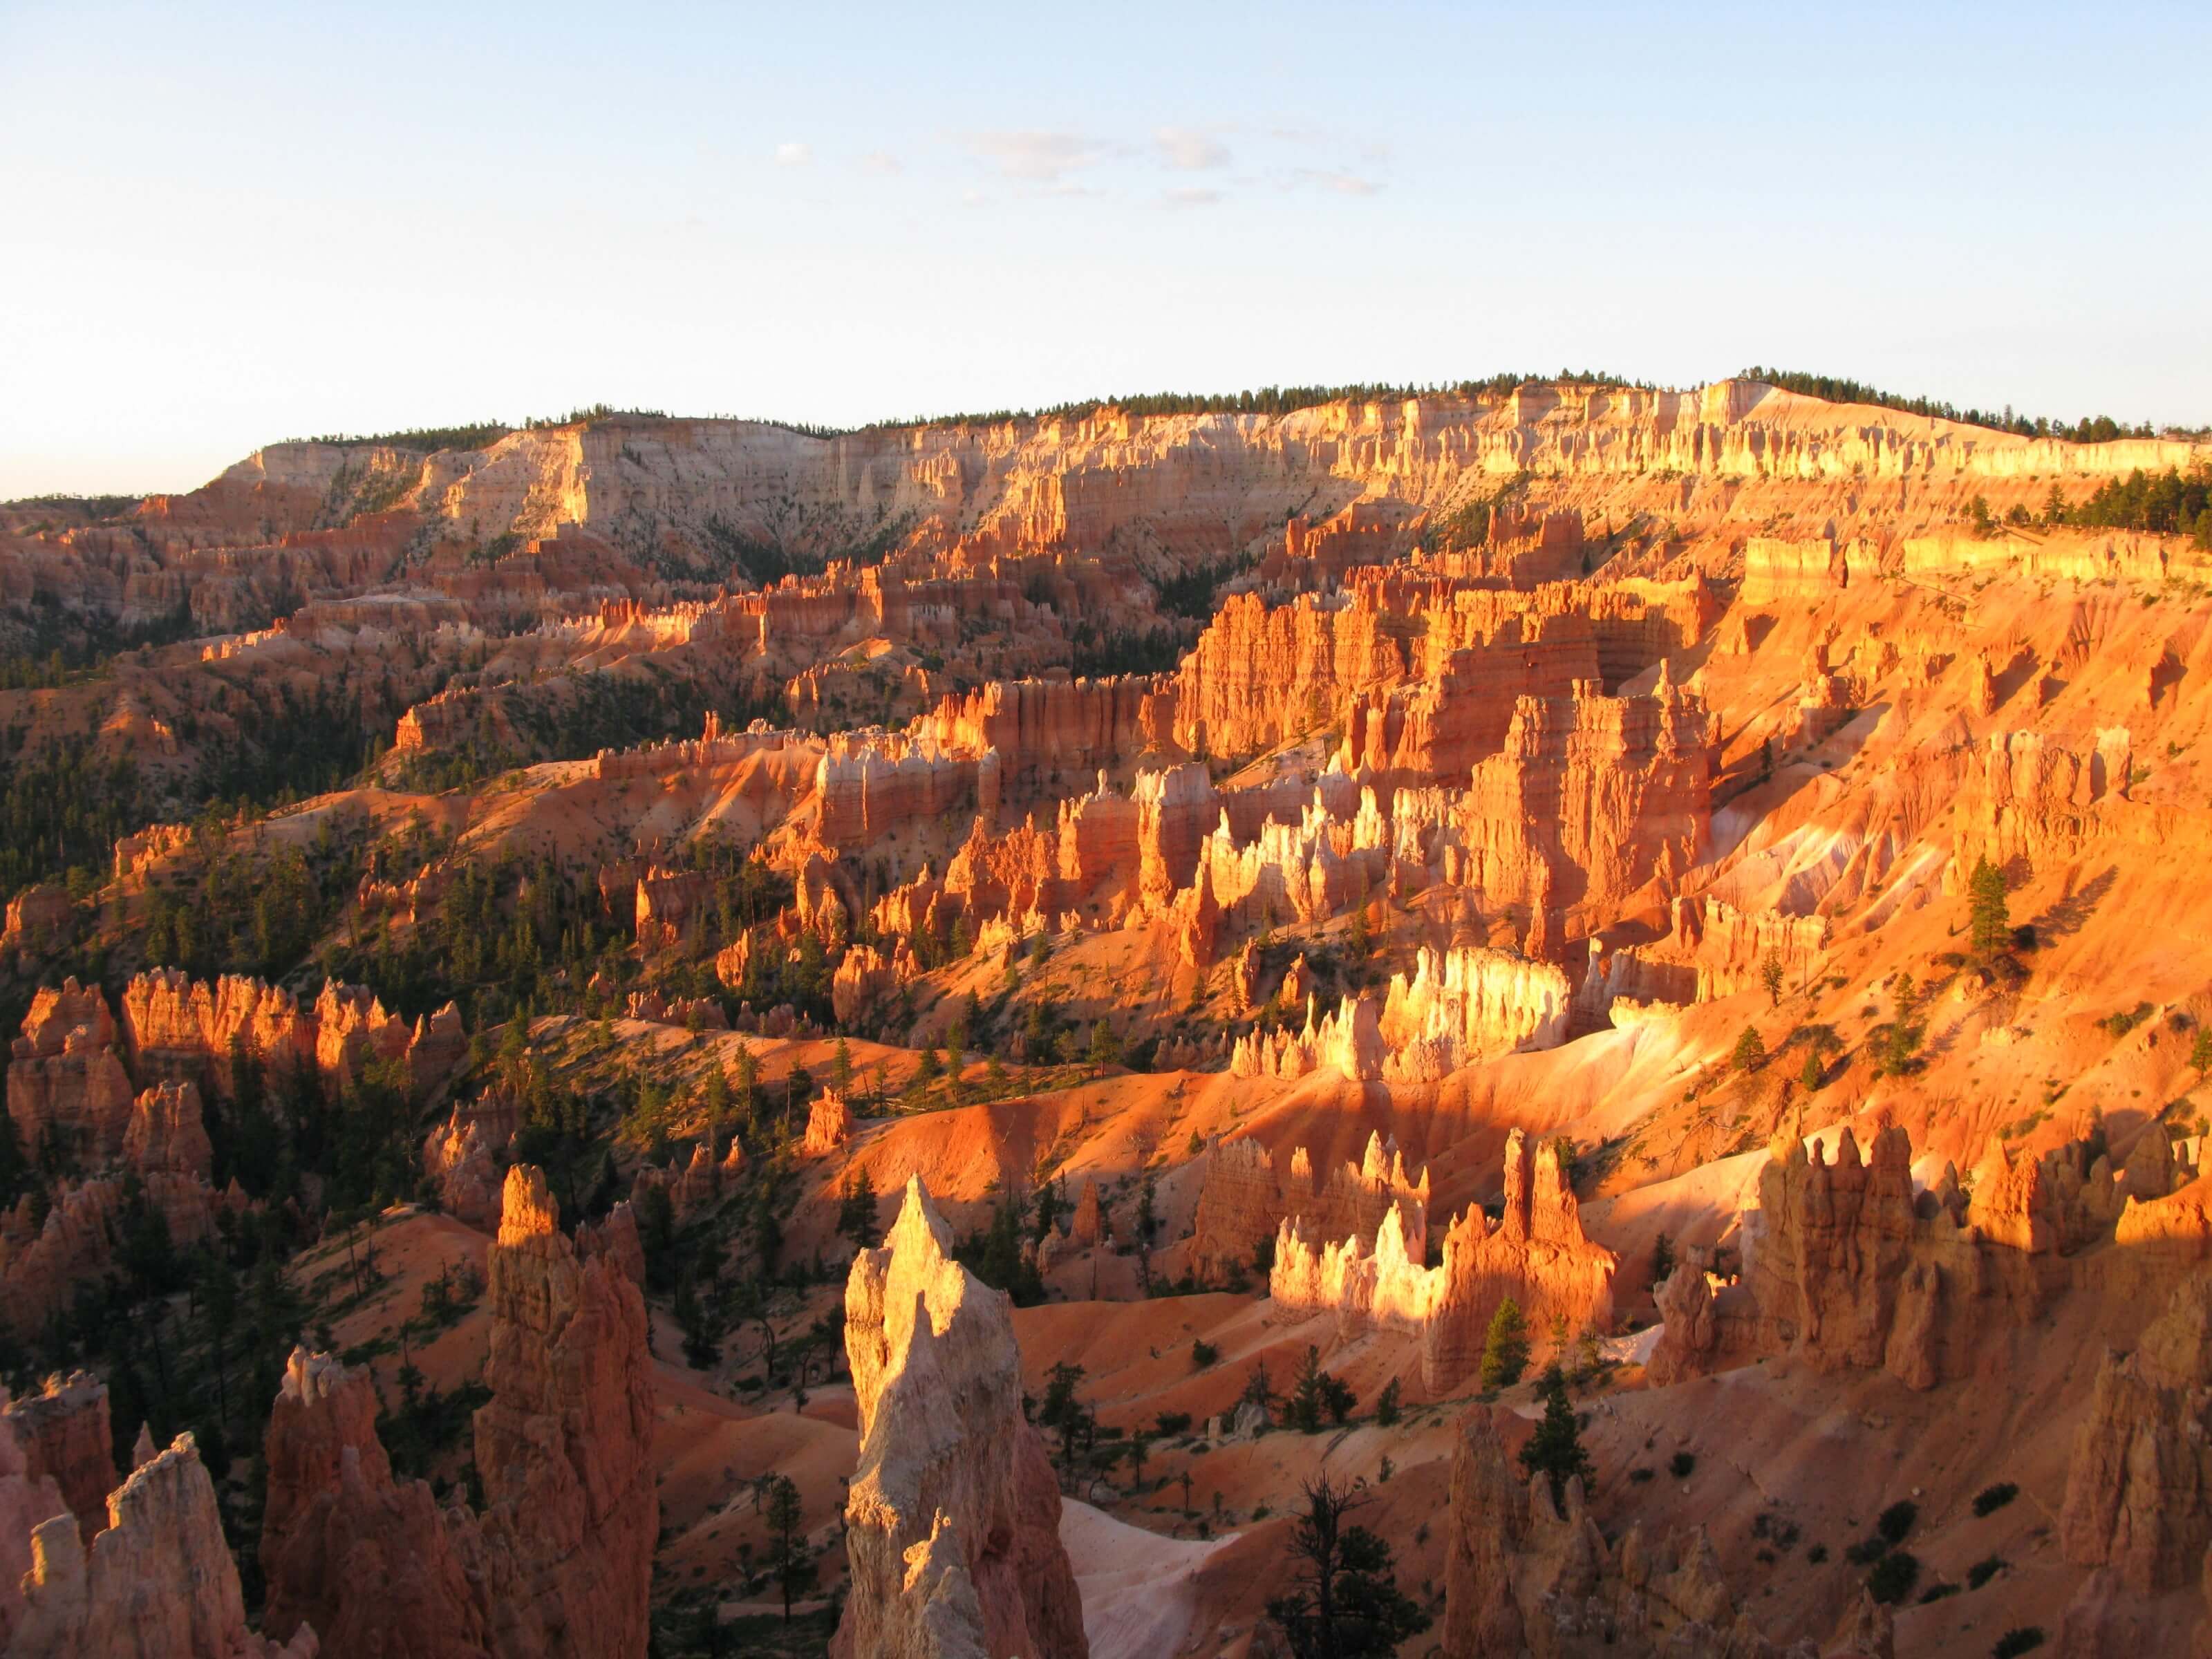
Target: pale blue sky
220, 226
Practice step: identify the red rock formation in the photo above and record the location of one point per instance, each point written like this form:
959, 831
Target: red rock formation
829, 1125
168, 1132
37, 922
159, 1583
563, 1447
1590, 798
1523, 1574
2139, 1487
1350, 1040
458, 1159
80, 1236
64, 1434
1469, 1004
1244, 1197
1537, 1255
362, 1559
615, 1237
178, 1028
937, 1378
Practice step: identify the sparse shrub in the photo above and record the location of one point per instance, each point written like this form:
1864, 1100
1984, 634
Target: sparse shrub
1817, 1554
1173, 1423
1937, 1593
1640, 1475
2022, 1638
1682, 1465
1990, 1500
1386, 1405
1985, 1570
1202, 1353
1893, 1576
1897, 1520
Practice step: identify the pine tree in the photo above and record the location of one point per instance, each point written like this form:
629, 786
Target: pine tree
856, 1212
1769, 975
1556, 1449
1505, 1347
1989, 926
1345, 1602
1812, 1074
1749, 1052
1662, 1259
1308, 1393
786, 1518
1386, 1405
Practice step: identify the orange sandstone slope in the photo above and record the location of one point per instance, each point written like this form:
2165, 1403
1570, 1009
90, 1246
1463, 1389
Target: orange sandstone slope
1556, 824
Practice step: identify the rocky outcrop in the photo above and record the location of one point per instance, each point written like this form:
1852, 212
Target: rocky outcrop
362, 1559
1469, 1004
177, 1028
64, 1080
1348, 1039
64, 1434
829, 1124
952, 1524
168, 1132
2139, 1487
1525, 1574
1589, 798
158, 1583
1244, 1198
1847, 1270
459, 1158
563, 1447
1537, 1255
83, 1232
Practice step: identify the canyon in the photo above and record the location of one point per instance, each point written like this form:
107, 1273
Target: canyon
687, 1036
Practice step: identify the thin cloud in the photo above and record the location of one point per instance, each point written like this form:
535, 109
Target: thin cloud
880, 161
792, 153
1190, 196
1188, 149
1344, 183
1033, 157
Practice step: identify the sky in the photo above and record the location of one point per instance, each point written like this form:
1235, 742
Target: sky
222, 226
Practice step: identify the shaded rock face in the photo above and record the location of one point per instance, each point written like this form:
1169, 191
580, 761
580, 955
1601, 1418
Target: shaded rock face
64, 1435
564, 1445
364, 1560
2139, 1487
1245, 1197
952, 1525
158, 1583
1524, 1575
64, 1078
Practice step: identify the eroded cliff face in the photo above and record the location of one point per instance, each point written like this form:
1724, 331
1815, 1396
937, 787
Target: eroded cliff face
563, 1447
2139, 1488
1525, 1574
365, 1561
1246, 1197
157, 1583
952, 1525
